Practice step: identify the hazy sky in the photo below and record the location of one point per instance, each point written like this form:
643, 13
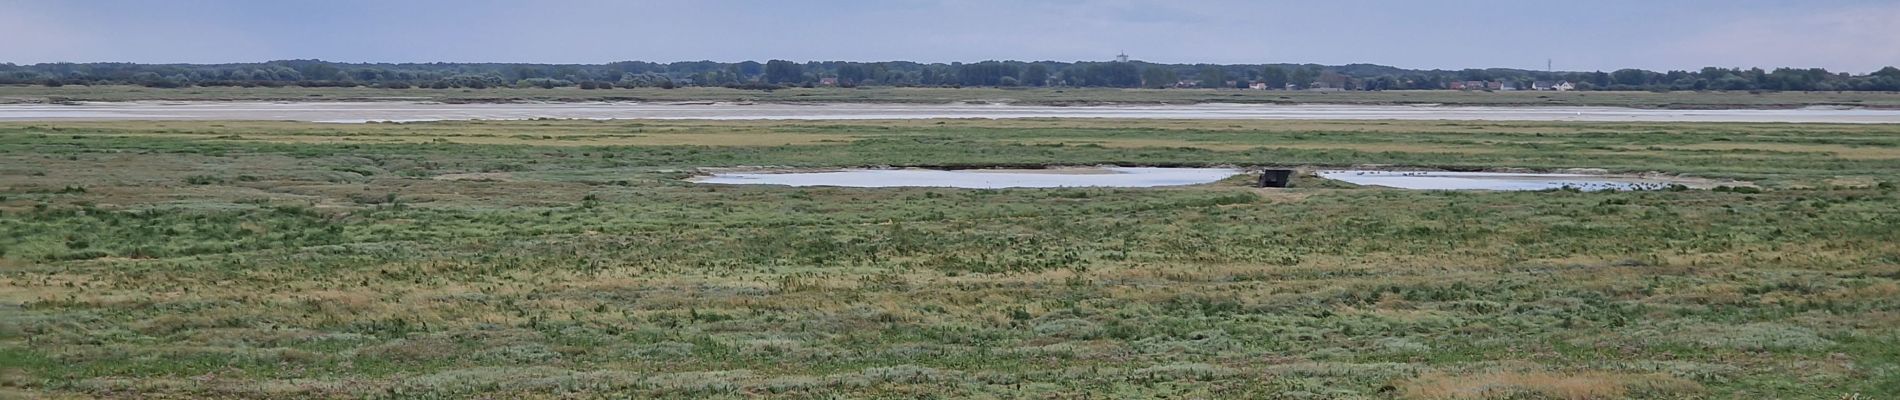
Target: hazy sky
1849, 35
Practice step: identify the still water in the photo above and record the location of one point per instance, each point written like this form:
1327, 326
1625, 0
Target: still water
980, 179
1491, 180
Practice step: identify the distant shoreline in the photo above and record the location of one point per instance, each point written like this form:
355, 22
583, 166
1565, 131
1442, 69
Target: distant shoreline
19, 94
420, 111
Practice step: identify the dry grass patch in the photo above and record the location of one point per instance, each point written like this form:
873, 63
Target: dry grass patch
1841, 151
478, 176
1391, 147
1582, 385
668, 139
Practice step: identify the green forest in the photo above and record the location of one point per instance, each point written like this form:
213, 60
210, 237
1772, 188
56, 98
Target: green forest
780, 73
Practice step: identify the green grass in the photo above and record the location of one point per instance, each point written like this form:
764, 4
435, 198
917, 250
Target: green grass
288, 260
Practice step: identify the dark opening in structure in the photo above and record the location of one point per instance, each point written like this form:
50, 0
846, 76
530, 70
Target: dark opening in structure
1276, 178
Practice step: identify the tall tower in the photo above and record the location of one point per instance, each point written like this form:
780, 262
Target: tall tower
1123, 57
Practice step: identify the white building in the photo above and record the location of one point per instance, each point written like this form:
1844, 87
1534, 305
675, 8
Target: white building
1557, 86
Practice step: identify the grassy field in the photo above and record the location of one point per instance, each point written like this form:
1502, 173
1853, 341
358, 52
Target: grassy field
1056, 96
567, 259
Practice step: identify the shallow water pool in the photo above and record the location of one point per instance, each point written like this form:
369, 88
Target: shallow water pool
980, 178
1435, 180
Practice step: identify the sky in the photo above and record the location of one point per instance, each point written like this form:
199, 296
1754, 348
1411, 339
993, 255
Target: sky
1841, 35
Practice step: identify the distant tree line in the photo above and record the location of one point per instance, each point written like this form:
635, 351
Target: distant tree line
780, 73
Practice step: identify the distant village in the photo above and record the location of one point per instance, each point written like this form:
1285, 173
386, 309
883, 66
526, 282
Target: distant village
1325, 81
1343, 84
1323, 86
1120, 72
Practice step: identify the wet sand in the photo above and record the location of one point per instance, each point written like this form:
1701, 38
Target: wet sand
358, 112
